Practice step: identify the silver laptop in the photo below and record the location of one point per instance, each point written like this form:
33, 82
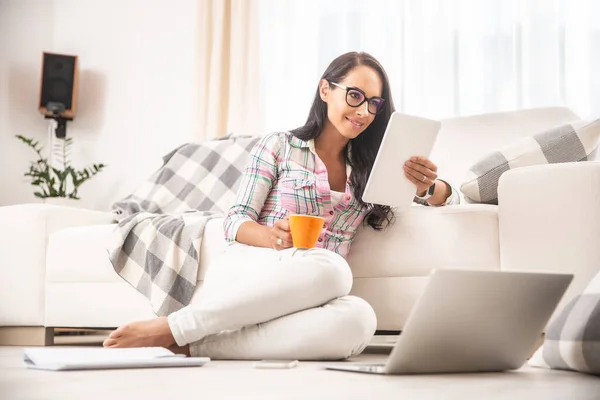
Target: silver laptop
405, 136
472, 321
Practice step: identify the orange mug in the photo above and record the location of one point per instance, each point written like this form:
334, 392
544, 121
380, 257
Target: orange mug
305, 230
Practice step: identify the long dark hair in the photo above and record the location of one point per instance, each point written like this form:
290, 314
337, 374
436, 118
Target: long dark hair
364, 147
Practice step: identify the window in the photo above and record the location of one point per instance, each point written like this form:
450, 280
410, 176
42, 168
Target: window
444, 58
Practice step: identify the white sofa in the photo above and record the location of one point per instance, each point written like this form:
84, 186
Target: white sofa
54, 269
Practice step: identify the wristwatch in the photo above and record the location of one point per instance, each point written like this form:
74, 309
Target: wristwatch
428, 193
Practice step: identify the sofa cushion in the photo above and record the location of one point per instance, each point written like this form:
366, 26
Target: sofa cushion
487, 132
458, 236
390, 268
565, 143
573, 340
80, 255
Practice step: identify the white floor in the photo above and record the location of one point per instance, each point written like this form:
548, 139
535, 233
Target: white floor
239, 380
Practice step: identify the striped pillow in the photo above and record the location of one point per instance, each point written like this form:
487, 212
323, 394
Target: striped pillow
566, 143
573, 340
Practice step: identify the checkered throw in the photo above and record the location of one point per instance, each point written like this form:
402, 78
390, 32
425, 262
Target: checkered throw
573, 340
156, 244
567, 143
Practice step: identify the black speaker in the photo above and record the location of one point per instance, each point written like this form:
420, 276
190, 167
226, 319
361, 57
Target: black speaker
58, 86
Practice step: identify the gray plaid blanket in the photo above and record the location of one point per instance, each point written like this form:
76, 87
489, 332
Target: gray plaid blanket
156, 244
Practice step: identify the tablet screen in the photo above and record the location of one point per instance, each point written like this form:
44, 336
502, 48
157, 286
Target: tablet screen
406, 136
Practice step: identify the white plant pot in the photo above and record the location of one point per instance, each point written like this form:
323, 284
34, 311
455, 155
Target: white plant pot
62, 201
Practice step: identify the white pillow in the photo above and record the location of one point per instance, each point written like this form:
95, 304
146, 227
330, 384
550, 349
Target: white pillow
572, 341
566, 143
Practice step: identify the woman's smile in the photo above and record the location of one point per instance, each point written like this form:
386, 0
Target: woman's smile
356, 124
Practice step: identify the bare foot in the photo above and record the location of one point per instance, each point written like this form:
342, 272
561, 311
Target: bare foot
151, 333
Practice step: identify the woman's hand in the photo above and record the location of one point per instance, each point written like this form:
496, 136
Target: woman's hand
422, 172
281, 237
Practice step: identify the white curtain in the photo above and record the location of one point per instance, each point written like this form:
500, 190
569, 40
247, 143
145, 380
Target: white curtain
229, 65
444, 58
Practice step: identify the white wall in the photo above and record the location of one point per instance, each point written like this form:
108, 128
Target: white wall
26, 29
138, 87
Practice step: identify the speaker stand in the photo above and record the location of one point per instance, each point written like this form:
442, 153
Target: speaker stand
60, 129
56, 137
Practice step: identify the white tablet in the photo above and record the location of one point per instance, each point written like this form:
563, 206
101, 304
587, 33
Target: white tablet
406, 136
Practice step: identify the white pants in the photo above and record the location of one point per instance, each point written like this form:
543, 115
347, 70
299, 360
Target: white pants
259, 303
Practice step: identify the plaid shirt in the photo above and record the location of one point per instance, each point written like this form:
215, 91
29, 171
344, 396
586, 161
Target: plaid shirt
285, 176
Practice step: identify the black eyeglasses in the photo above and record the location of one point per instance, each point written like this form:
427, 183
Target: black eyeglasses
356, 97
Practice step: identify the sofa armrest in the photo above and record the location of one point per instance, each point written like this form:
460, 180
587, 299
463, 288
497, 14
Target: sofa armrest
23, 239
549, 220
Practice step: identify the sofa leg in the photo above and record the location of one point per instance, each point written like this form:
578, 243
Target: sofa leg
26, 336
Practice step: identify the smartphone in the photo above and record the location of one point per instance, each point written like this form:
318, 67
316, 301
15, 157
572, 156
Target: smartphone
276, 364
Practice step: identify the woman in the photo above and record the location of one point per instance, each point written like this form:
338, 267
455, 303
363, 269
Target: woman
266, 299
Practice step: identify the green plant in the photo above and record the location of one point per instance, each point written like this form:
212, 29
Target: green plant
57, 182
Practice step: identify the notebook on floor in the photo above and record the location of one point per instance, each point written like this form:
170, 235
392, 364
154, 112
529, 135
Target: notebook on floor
81, 358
